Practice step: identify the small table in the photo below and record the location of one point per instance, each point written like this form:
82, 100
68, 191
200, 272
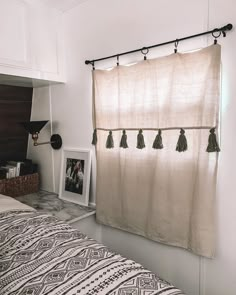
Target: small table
49, 202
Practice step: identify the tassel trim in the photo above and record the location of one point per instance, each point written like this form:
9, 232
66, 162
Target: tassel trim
110, 142
123, 141
140, 140
212, 142
95, 138
157, 144
182, 144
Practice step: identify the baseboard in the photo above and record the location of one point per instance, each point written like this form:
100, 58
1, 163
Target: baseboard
92, 205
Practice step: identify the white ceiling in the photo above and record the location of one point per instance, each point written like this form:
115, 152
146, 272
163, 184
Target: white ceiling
63, 5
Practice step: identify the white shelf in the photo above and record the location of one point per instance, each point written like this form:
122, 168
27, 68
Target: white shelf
26, 81
47, 202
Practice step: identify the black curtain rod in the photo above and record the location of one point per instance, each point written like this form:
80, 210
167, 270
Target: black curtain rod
176, 41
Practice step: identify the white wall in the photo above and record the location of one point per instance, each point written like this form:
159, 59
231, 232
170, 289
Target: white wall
104, 27
43, 155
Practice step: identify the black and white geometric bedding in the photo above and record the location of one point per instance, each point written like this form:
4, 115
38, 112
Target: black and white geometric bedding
42, 255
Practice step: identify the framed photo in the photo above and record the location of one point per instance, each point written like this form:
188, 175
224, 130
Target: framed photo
75, 176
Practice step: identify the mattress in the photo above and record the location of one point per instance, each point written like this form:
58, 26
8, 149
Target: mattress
41, 255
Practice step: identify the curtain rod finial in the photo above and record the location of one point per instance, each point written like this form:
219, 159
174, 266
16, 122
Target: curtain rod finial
228, 27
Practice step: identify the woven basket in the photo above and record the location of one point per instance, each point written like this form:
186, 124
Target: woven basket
19, 186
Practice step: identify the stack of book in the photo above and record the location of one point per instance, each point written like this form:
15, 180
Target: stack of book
10, 169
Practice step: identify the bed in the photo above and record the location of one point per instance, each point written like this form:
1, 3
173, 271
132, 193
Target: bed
41, 255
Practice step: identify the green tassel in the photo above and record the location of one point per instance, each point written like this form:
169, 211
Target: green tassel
182, 144
123, 141
140, 140
110, 142
212, 142
157, 144
95, 139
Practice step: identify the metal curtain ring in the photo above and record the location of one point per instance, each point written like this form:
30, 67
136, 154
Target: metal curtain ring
216, 36
143, 49
145, 53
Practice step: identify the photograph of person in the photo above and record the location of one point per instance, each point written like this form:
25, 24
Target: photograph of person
74, 176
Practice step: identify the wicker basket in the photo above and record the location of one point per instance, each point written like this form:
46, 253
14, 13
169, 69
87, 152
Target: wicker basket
19, 186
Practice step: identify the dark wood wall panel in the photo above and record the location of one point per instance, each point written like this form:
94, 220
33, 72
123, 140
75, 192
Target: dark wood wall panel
15, 107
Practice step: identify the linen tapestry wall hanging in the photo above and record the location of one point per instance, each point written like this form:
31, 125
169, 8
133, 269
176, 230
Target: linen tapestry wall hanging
162, 194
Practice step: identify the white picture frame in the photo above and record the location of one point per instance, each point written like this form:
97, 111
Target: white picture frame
75, 175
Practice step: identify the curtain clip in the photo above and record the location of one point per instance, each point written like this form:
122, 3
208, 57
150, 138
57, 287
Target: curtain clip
176, 46
117, 60
93, 65
144, 51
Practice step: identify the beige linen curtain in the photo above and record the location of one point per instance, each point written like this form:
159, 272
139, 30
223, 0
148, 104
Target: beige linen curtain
163, 195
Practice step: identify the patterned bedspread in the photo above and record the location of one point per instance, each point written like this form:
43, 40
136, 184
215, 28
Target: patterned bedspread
42, 255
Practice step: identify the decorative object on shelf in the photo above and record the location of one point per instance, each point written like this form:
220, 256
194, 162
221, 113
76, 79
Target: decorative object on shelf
34, 127
75, 176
